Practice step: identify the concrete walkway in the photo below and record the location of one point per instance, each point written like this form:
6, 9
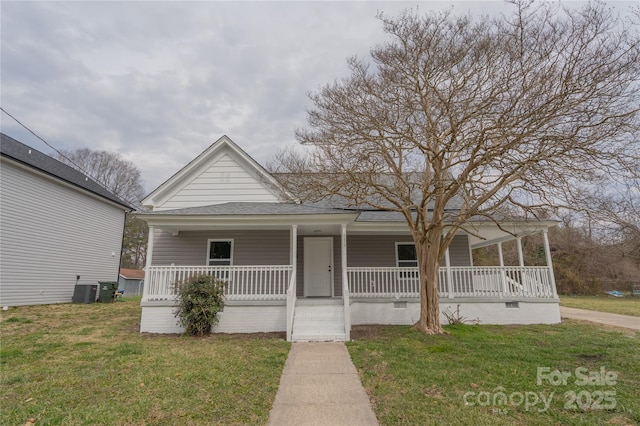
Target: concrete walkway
320, 386
625, 321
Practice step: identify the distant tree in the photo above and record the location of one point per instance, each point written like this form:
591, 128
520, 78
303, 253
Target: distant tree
496, 111
120, 176
123, 178
615, 209
134, 245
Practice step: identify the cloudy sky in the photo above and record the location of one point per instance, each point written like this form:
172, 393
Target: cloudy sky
158, 82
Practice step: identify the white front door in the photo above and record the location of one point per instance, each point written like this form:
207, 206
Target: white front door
318, 266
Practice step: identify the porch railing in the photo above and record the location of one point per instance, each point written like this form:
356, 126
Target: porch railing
458, 281
266, 282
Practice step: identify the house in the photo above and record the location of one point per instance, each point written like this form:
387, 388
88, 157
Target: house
58, 228
315, 270
131, 281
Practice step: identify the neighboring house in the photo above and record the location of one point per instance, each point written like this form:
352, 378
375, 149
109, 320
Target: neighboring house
314, 270
58, 228
131, 281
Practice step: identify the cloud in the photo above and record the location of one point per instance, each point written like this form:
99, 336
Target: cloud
158, 82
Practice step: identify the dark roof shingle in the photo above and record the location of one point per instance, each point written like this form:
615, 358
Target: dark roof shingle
35, 159
248, 208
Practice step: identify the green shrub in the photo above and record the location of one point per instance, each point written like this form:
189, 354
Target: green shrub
200, 298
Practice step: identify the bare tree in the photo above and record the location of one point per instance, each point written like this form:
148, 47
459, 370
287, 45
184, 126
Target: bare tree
486, 113
123, 178
134, 244
615, 211
120, 176
616, 208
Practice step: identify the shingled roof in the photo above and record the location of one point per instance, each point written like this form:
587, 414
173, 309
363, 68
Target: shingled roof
21, 153
249, 208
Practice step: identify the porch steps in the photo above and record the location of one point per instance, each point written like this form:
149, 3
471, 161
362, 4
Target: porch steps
320, 320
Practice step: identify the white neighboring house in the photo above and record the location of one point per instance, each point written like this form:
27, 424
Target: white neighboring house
313, 270
58, 228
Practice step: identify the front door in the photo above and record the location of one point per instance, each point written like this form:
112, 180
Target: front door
318, 266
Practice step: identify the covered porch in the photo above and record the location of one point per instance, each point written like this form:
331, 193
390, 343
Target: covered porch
349, 268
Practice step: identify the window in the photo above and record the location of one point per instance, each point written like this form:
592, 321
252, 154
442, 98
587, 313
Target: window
406, 255
406, 258
220, 253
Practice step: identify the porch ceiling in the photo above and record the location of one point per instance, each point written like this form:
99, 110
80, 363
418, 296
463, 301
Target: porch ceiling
487, 234
307, 224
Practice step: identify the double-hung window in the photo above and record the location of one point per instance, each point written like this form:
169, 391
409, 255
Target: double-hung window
220, 253
406, 258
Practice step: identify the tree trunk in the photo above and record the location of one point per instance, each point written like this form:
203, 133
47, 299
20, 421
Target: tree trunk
428, 256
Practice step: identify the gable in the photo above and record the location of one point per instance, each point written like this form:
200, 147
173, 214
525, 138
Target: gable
221, 174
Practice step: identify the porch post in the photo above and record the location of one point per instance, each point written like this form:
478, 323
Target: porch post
520, 255
343, 253
291, 289
293, 248
147, 264
345, 282
547, 255
447, 262
503, 275
521, 274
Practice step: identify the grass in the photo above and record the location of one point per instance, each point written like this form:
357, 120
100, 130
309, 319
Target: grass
418, 379
88, 364
629, 305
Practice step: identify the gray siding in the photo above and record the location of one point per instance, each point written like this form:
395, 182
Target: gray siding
272, 248
380, 250
255, 247
132, 287
51, 233
459, 252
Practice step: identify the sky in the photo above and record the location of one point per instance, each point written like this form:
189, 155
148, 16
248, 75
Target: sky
159, 82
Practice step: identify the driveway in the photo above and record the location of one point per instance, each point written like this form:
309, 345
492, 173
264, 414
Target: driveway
625, 321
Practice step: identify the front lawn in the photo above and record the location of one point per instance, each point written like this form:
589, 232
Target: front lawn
464, 377
629, 305
88, 364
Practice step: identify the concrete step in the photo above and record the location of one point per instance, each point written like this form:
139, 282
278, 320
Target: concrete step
318, 323
323, 337
318, 301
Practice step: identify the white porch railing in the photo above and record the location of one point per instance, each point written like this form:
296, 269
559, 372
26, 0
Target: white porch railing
291, 305
465, 281
268, 282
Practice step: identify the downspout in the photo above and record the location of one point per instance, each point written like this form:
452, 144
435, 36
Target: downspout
124, 227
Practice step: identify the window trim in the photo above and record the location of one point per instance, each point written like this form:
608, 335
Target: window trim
219, 240
403, 243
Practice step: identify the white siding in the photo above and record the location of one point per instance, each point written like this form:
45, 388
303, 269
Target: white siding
159, 318
490, 312
223, 181
49, 234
